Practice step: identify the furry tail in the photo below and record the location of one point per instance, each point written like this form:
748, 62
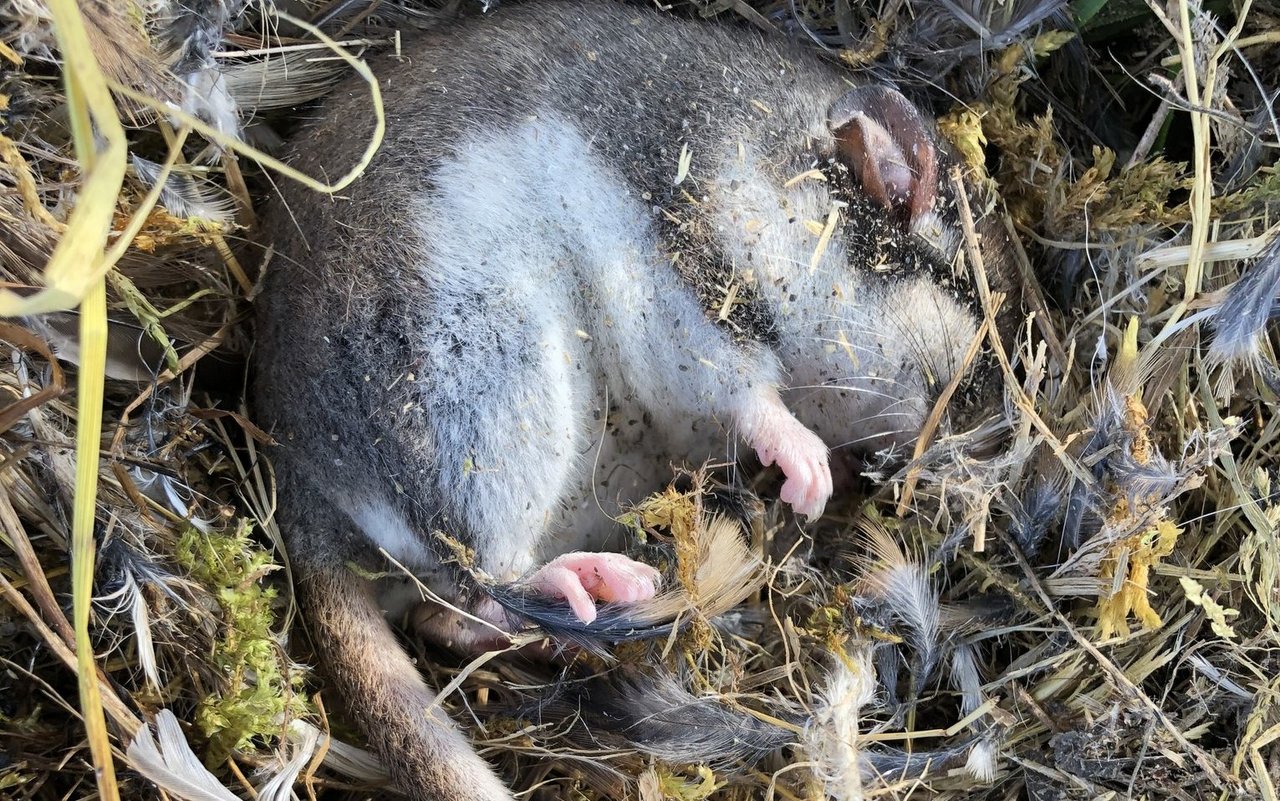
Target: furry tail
653, 714
427, 757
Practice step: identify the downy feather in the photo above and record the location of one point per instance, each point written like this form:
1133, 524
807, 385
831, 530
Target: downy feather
168, 761
831, 735
186, 197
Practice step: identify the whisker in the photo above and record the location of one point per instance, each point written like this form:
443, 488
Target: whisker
888, 433
885, 414
834, 383
857, 390
845, 343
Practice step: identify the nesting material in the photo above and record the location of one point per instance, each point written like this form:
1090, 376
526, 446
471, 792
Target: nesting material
831, 738
1078, 598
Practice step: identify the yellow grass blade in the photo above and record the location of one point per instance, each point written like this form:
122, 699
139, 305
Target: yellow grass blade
75, 271
93, 359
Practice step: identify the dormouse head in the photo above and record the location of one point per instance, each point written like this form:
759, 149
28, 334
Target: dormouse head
901, 166
897, 158
919, 303
895, 155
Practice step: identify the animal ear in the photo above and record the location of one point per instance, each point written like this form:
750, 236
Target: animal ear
884, 140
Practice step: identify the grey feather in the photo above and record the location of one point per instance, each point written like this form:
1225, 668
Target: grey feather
1032, 515
892, 765
895, 591
1241, 320
187, 197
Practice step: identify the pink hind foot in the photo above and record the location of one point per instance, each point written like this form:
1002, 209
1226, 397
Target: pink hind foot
584, 578
778, 436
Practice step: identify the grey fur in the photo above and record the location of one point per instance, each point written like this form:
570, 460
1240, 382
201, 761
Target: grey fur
509, 327
656, 715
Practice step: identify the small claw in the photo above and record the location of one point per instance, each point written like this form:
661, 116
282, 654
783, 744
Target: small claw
765, 456
812, 509
820, 490
583, 607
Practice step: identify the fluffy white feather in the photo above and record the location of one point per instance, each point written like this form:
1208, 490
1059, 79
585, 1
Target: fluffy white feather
981, 764
168, 761
207, 97
966, 677
831, 737
142, 631
344, 758
303, 742
128, 597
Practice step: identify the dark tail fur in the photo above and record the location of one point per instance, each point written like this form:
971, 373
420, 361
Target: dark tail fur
614, 623
655, 715
626, 709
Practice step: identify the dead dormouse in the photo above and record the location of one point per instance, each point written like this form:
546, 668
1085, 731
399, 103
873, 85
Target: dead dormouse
597, 241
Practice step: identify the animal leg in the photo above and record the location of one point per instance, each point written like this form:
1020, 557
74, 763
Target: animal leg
777, 436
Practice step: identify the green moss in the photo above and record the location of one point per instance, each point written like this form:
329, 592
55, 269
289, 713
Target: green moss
258, 690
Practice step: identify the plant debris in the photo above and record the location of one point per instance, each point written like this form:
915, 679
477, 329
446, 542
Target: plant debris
1090, 610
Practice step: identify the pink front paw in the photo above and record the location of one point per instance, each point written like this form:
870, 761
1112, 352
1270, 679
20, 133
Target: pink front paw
584, 578
803, 461
778, 437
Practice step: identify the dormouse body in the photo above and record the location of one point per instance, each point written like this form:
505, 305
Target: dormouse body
596, 242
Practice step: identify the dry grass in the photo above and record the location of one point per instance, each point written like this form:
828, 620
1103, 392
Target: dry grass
1101, 597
